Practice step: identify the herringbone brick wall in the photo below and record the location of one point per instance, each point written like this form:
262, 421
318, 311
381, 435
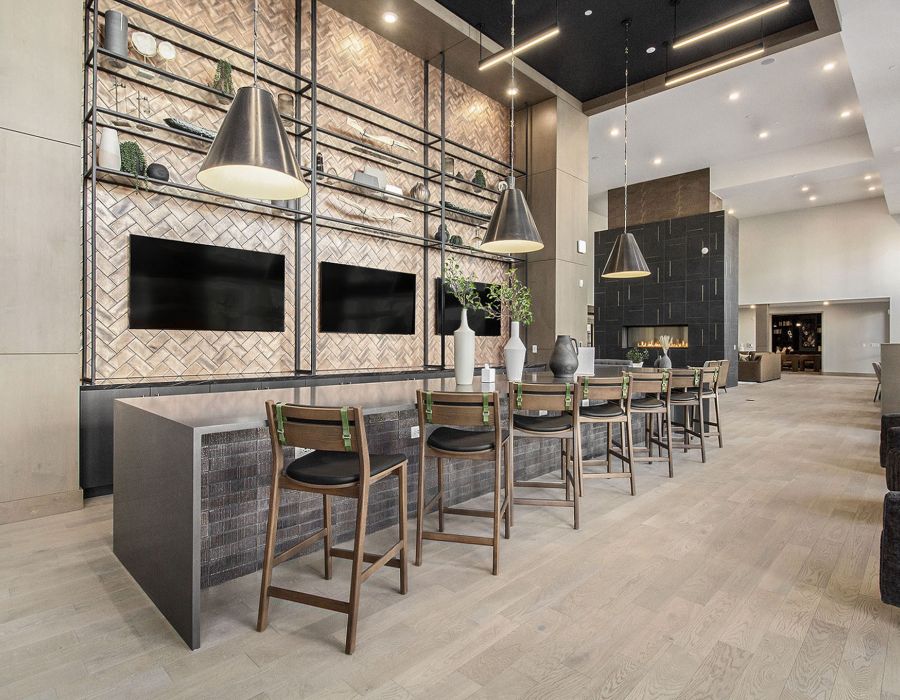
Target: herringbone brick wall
353, 60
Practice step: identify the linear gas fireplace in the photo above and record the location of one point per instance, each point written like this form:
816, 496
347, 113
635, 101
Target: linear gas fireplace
648, 336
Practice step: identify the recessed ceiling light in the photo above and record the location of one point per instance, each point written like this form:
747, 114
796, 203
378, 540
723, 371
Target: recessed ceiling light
731, 211
828, 67
752, 306
867, 178
588, 13
734, 96
614, 131
846, 113
657, 161
390, 17
812, 198
805, 188
826, 303
651, 49
872, 188
512, 91
763, 134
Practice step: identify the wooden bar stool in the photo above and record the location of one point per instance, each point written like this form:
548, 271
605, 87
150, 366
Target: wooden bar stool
711, 381
450, 411
340, 465
685, 394
561, 398
612, 391
654, 406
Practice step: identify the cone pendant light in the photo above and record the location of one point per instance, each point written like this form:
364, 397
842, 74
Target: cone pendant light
251, 155
626, 259
512, 228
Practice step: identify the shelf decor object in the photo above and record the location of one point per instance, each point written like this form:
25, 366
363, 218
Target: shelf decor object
564, 360
145, 45
466, 294
251, 155
189, 128
222, 80
512, 228
158, 171
513, 297
115, 34
109, 152
133, 161
388, 141
626, 260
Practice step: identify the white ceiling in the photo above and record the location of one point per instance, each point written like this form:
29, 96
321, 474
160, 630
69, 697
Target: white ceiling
696, 126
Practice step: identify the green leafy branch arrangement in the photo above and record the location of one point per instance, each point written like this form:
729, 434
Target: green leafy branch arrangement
461, 286
514, 296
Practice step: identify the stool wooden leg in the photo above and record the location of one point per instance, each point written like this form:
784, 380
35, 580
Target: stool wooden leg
688, 416
510, 477
326, 518
609, 428
404, 543
420, 507
498, 484
702, 431
719, 423
359, 542
668, 422
440, 475
576, 461
627, 429
507, 492
262, 620
565, 467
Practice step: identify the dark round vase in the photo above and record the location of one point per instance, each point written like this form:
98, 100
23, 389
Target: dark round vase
564, 360
157, 171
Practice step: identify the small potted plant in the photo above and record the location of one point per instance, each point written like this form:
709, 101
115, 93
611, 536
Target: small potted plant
463, 290
637, 356
133, 161
479, 180
513, 297
222, 81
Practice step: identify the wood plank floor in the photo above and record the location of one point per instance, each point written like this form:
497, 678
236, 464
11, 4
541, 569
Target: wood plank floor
752, 576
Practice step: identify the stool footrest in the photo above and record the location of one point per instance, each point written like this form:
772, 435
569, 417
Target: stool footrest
368, 557
541, 484
288, 553
387, 558
316, 601
471, 511
463, 539
543, 502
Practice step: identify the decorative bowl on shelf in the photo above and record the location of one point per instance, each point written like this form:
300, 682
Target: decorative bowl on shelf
189, 128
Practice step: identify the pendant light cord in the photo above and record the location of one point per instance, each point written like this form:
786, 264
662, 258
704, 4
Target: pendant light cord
512, 96
255, 12
627, 25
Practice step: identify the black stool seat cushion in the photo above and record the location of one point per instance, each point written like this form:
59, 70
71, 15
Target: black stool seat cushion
689, 396
647, 402
456, 440
325, 468
543, 424
603, 410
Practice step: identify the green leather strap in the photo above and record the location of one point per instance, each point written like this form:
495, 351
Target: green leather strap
585, 383
485, 408
626, 380
568, 396
716, 376
665, 381
345, 428
279, 423
519, 395
428, 406
697, 373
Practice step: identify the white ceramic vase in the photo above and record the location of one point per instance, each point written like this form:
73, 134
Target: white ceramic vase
464, 351
109, 154
514, 354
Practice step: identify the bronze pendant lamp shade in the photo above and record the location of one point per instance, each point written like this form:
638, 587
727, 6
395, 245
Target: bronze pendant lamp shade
251, 155
626, 260
512, 228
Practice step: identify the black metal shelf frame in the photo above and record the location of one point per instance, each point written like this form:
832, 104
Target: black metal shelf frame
306, 134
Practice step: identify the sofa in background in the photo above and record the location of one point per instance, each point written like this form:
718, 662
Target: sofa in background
760, 367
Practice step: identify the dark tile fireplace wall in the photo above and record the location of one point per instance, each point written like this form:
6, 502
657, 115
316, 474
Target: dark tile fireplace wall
685, 287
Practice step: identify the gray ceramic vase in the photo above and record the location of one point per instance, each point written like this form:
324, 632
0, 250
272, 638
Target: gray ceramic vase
663, 362
564, 360
115, 33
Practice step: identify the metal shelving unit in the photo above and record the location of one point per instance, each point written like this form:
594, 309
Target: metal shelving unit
308, 136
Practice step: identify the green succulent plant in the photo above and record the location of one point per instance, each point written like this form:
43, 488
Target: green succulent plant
133, 161
479, 179
637, 354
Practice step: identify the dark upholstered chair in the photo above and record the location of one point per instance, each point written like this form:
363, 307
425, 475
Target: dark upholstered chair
889, 574
890, 435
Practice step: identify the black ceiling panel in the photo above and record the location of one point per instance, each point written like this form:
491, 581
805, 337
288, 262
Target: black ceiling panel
587, 57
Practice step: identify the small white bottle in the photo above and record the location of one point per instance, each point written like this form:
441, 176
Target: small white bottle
488, 374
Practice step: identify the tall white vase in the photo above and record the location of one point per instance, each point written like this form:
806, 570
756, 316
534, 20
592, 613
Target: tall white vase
109, 154
514, 354
464, 351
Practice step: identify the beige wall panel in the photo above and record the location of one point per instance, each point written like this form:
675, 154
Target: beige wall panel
571, 217
542, 137
39, 415
572, 299
542, 281
40, 68
542, 200
571, 141
40, 253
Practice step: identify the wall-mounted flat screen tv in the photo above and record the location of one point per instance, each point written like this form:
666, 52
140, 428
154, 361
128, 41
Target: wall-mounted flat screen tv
190, 286
365, 300
478, 322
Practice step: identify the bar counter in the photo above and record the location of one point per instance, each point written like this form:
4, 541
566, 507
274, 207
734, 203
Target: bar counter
192, 475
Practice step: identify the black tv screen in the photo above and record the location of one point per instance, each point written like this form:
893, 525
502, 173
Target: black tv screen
190, 286
478, 322
365, 300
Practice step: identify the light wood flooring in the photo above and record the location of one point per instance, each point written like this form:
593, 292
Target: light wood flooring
752, 576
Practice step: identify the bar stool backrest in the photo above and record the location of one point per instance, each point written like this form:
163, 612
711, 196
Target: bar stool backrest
710, 377
685, 378
648, 383
604, 388
544, 397
317, 428
459, 408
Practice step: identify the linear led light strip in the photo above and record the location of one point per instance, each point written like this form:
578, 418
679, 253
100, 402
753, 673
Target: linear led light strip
729, 24
501, 56
711, 68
